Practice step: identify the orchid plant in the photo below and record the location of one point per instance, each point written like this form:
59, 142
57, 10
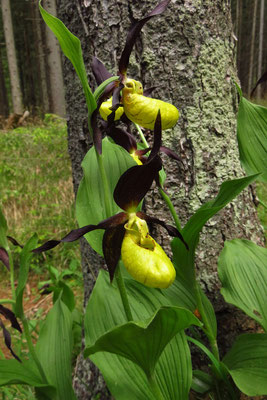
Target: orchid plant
139, 309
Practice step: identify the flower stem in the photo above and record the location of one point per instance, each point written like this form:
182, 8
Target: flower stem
31, 348
7, 301
141, 134
123, 293
154, 387
171, 208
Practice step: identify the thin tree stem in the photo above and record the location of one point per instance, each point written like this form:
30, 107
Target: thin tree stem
123, 294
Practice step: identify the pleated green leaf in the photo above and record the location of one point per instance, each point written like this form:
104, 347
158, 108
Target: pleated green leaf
247, 363
252, 137
143, 341
14, 372
126, 380
25, 258
90, 206
242, 270
71, 47
54, 349
184, 259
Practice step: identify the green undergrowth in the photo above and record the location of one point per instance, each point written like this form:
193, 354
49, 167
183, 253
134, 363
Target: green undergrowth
36, 191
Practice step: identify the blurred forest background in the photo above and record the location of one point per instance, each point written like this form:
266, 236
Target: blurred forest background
30, 60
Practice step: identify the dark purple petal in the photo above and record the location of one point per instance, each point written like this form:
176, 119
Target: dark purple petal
112, 241
100, 72
7, 338
14, 241
147, 92
135, 183
134, 32
4, 257
172, 231
76, 234
107, 93
262, 79
170, 153
122, 138
116, 96
8, 314
97, 134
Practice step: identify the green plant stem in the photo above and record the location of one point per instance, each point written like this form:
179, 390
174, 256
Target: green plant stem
7, 301
171, 208
262, 203
141, 134
123, 294
31, 348
207, 328
154, 387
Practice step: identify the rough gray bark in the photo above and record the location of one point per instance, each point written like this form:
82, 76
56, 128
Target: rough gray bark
12, 58
189, 54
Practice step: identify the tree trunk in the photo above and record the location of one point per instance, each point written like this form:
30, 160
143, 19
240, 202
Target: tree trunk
260, 54
12, 59
40, 53
252, 47
55, 66
189, 54
4, 108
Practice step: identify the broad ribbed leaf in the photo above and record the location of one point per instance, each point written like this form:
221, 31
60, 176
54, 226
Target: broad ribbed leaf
90, 207
54, 350
252, 137
25, 258
143, 341
125, 379
13, 372
71, 47
184, 259
247, 363
242, 270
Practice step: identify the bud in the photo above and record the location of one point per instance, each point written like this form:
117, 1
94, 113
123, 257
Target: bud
144, 258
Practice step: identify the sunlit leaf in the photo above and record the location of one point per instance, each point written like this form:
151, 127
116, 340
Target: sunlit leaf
143, 341
247, 363
242, 269
252, 137
125, 379
54, 349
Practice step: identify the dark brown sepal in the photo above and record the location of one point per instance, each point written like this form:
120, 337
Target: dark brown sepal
7, 338
133, 34
172, 231
170, 153
8, 314
262, 79
135, 183
99, 70
76, 234
14, 241
97, 134
4, 257
157, 138
112, 241
122, 138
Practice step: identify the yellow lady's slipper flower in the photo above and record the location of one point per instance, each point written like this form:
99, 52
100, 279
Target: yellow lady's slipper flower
105, 110
143, 110
144, 258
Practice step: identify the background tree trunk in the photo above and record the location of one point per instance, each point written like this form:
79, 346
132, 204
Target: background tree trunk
4, 108
260, 54
55, 66
189, 54
12, 58
252, 47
